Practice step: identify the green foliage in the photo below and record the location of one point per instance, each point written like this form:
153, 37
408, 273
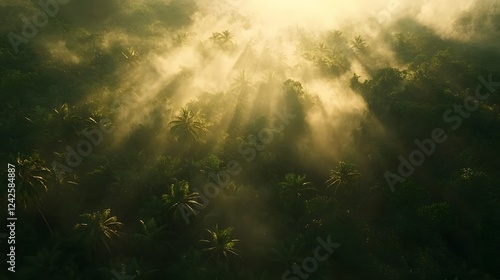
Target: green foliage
181, 201
220, 245
188, 126
260, 123
344, 175
97, 228
223, 40
152, 237
33, 181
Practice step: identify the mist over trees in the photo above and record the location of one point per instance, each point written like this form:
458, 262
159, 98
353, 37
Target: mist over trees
222, 140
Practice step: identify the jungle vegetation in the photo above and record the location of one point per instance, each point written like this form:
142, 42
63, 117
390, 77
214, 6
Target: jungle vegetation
166, 140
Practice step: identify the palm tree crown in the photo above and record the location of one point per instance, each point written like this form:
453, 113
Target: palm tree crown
98, 226
180, 199
359, 44
295, 186
221, 244
187, 126
32, 180
344, 175
223, 39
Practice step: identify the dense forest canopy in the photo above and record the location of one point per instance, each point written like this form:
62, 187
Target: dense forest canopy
231, 139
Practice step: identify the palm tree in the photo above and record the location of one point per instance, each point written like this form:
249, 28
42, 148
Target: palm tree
337, 41
66, 121
269, 77
131, 56
241, 83
295, 186
151, 238
215, 37
343, 175
359, 44
181, 39
61, 178
211, 164
293, 189
336, 36
321, 56
32, 183
63, 114
180, 199
240, 86
322, 49
187, 126
222, 39
98, 227
220, 244
226, 36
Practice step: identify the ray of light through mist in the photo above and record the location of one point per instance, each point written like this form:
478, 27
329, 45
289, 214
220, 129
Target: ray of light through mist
266, 36
301, 95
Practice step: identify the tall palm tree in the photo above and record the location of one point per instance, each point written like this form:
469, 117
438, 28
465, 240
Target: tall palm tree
322, 56
32, 183
222, 39
292, 190
226, 36
98, 227
32, 180
294, 186
337, 41
241, 87
215, 37
336, 36
181, 39
359, 44
221, 244
241, 84
322, 49
66, 121
187, 126
269, 77
181, 199
344, 175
